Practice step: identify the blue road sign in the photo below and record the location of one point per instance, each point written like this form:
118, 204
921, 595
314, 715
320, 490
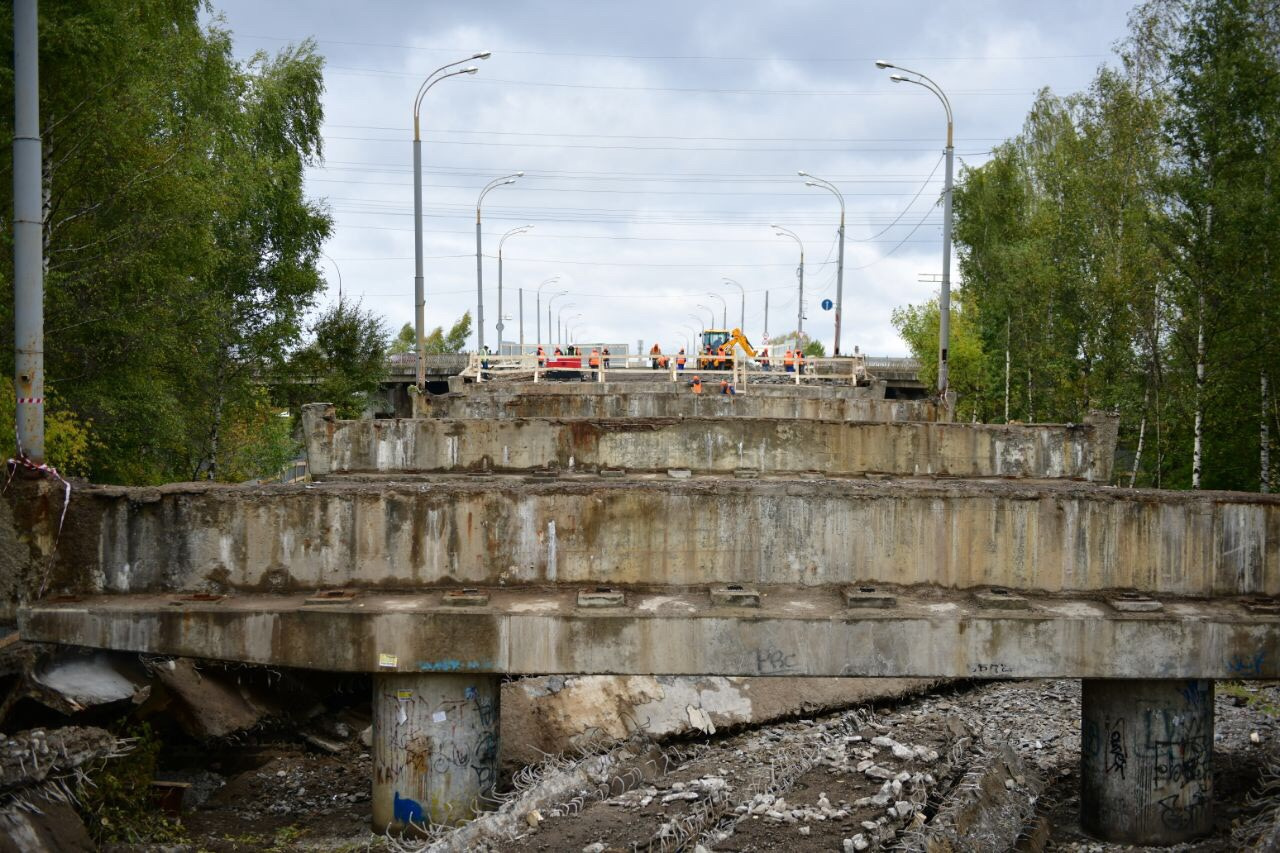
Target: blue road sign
827, 304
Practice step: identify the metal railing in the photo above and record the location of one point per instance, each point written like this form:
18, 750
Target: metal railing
740, 371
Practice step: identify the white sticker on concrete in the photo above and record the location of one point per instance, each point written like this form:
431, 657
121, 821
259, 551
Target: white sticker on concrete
439, 717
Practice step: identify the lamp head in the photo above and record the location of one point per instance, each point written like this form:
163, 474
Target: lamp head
509, 181
802, 173
810, 184
484, 54
884, 63
897, 78
519, 174
469, 70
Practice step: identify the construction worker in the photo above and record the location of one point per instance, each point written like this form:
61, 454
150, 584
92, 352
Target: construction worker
789, 360
764, 359
653, 356
606, 358
542, 356
557, 352
719, 357
695, 384
799, 361
726, 387
663, 361
680, 360
594, 361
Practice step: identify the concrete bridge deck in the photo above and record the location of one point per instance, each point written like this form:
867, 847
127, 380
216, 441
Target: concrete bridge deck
728, 630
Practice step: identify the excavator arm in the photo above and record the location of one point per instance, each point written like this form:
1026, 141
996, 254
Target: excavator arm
741, 340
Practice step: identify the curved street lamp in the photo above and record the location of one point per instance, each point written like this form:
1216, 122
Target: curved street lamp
831, 188
742, 319
724, 308
514, 231
559, 316
551, 338
537, 310
786, 232
492, 185
701, 325
944, 297
712, 314
419, 298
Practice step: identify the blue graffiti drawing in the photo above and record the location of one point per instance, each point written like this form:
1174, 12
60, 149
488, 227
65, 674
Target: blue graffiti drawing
1247, 666
405, 810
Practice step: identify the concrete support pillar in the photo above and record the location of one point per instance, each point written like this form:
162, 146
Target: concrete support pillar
1146, 756
435, 748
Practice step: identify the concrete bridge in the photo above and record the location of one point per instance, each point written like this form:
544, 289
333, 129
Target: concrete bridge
789, 531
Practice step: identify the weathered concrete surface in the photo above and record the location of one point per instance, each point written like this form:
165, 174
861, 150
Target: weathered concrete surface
795, 631
555, 714
1078, 451
495, 530
673, 400
1146, 760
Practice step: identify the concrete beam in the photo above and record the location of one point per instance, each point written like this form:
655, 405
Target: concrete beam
673, 400
713, 445
493, 530
793, 632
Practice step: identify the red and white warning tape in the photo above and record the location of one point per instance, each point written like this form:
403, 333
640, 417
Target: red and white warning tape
30, 401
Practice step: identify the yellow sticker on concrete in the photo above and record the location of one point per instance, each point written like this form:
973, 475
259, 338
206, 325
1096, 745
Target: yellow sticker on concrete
404, 694
386, 661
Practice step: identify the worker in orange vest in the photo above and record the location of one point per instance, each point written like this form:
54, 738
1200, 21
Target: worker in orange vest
696, 385
594, 361
800, 361
789, 360
680, 360
764, 359
653, 355
542, 357
663, 361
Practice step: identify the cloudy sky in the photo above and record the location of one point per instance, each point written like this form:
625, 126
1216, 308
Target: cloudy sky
659, 141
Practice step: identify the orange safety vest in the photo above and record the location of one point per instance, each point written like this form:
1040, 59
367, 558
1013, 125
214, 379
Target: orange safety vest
680, 359
595, 358
542, 356
697, 385
789, 358
662, 361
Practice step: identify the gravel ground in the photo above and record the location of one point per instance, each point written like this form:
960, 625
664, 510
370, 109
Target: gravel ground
860, 779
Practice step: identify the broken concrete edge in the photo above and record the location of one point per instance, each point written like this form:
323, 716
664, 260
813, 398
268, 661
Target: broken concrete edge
986, 810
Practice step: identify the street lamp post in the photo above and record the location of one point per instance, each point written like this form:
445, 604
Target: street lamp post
712, 314
742, 317
559, 316
550, 337
537, 310
944, 297
701, 325
785, 232
492, 185
830, 187
514, 231
724, 309
418, 293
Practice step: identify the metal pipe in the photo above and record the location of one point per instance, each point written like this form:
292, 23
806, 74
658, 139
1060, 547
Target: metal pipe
724, 309
494, 184
742, 317
537, 310
28, 232
785, 232
821, 183
520, 230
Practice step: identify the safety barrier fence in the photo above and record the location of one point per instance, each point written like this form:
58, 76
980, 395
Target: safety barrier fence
737, 369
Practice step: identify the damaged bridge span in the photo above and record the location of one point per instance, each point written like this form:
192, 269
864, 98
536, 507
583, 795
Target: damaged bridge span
442, 553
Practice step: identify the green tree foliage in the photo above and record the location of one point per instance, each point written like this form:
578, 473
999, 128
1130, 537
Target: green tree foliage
1124, 237
344, 361
405, 341
438, 342
918, 326
180, 247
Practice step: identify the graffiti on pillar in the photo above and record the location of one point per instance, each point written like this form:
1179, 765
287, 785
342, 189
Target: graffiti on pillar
1195, 693
484, 760
1117, 751
405, 810
1178, 812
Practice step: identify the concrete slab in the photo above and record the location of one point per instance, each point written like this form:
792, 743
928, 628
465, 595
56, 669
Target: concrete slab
795, 631
492, 530
740, 446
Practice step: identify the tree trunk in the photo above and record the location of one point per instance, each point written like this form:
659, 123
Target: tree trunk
1265, 452
1006, 368
1142, 434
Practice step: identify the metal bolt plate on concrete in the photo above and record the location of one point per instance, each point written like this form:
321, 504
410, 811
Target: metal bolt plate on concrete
746, 473
1134, 602
613, 472
679, 473
601, 596
868, 596
466, 597
198, 597
332, 596
999, 598
547, 474
735, 595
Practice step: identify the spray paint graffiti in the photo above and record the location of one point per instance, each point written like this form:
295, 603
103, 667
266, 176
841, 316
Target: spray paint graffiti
405, 810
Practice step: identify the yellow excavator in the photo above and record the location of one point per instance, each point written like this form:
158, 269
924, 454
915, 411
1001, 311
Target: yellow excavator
717, 348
